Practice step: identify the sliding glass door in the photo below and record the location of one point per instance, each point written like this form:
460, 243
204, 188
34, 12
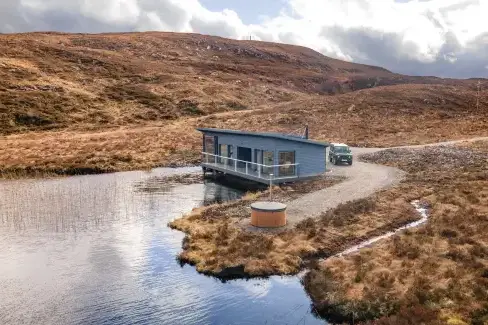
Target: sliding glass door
225, 152
287, 163
268, 160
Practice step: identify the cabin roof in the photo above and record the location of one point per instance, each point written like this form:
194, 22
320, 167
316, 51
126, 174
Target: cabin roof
264, 135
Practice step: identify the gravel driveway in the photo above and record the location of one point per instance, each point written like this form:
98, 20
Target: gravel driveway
362, 180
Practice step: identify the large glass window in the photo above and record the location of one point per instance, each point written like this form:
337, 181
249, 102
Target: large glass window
210, 144
287, 159
268, 160
258, 158
209, 149
223, 153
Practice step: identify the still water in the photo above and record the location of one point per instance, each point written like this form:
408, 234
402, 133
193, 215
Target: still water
97, 250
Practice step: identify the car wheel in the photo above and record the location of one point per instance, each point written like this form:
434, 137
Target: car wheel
334, 161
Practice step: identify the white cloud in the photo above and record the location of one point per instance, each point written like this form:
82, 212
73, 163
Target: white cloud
443, 37
226, 23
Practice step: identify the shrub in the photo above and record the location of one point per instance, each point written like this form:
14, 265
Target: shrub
413, 315
348, 212
190, 107
420, 291
236, 105
449, 233
406, 247
479, 251
308, 226
480, 316
385, 279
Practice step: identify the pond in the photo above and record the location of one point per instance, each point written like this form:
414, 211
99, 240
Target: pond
97, 250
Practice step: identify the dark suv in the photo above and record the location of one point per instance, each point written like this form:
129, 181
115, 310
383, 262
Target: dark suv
340, 153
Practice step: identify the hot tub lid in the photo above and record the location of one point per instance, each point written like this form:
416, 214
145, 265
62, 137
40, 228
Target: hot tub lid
268, 206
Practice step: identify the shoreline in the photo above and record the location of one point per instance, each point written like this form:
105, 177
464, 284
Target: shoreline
427, 180
215, 240
33, 173
238, 272
406, 277
441, 176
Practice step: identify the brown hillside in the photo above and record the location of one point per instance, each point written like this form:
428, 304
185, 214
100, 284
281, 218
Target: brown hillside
72, 103
51, 80
379, 117
384, 116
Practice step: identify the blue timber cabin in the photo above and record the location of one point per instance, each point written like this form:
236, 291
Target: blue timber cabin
262, 157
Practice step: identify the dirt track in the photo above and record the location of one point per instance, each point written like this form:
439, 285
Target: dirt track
363, 179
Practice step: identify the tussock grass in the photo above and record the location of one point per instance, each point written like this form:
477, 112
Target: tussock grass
82, 152
58, 92
217, 242
435, 274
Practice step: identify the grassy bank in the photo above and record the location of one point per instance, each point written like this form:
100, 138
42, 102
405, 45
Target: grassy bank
218, 242
436, 274
75, 152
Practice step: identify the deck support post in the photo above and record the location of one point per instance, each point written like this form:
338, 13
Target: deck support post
247, 169
270, 187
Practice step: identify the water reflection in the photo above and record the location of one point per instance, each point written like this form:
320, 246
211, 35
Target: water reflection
217, 193
97, 250
214, 191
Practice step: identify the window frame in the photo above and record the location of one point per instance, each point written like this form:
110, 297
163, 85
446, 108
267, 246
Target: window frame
223, 158
290, 170
267, 170
213, 143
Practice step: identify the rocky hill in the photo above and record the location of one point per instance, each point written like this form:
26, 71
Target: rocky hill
52, 80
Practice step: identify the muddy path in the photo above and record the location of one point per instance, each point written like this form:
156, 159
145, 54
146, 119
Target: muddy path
362, 180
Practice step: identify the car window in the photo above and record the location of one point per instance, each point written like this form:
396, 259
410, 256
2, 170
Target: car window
343, 150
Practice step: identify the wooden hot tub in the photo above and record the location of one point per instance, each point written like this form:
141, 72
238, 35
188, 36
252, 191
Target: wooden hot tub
268, 214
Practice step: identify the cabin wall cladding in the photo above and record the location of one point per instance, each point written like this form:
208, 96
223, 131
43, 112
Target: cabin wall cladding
310, 157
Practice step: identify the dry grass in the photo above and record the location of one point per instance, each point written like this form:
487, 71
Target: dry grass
89, 149
218, 244
119, 149
379, 117
73, 104
438, 271
53, 80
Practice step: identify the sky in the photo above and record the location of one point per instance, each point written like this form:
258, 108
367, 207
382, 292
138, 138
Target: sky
446, 38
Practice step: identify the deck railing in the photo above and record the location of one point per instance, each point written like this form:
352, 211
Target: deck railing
250, 168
